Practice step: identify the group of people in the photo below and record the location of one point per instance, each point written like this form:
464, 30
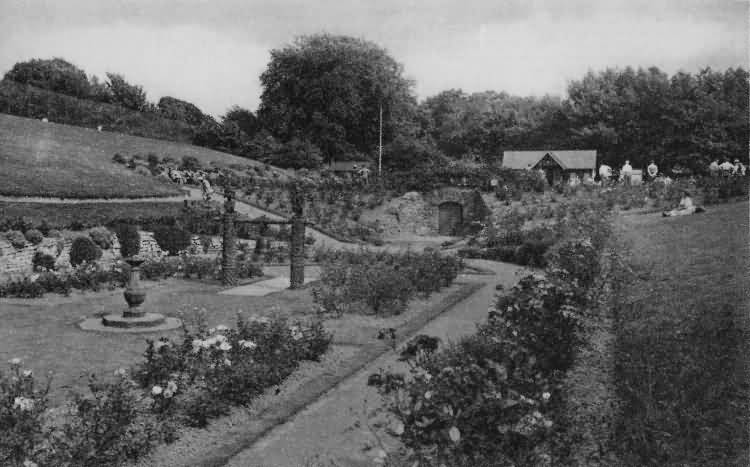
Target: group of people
727, 168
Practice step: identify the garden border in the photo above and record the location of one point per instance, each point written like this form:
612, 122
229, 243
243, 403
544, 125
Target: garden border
319, 386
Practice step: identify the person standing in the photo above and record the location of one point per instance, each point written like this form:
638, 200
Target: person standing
605, 173
713, 168
626, 172
652, 170
726, 168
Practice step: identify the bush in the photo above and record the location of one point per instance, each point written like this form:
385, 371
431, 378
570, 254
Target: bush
109, 427
16, 238
129, 239
24, 288
119, 159
196, 266
22, 406
102, 237
160, 269
42, 261
172, 238
34, 236
83, 250
380, 283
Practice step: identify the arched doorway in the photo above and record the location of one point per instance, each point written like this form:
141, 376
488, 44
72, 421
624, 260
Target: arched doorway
450, 218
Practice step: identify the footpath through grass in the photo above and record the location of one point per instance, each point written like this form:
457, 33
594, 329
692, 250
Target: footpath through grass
682, 341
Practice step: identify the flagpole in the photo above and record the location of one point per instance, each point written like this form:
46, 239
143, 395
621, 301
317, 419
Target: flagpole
380, 149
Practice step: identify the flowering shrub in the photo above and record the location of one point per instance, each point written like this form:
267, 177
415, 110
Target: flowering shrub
380, 283
22, 406
495, 397
110, 426
210, 370
42, 261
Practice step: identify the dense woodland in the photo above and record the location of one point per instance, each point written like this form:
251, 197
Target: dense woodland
322, 98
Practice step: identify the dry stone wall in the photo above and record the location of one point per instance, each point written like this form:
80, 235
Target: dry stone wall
16, 263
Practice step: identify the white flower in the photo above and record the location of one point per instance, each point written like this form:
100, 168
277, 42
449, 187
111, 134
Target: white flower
23, 403
221, 328
120, 372
15, 361
227, 362
296, 333
546, 396
156, 390
159, 344
28, 463
172, 386
428, 395
225, 346
247, 344
197, 345
27, 373
454, 434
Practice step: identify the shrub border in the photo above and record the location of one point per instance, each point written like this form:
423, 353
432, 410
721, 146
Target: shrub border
314, 390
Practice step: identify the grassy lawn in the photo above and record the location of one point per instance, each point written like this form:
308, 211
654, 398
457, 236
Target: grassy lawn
49, 159
61, 216
682, 347
44, 332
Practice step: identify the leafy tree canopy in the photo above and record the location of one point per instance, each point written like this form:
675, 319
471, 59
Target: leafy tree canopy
54, 74
328, 90
177, 109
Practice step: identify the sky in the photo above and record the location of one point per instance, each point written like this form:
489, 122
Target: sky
212, 52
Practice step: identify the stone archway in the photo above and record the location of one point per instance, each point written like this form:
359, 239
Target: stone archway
450, 218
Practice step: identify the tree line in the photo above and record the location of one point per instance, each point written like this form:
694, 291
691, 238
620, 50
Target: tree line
323, 97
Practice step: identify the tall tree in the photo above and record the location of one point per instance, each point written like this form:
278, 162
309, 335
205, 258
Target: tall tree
329, 90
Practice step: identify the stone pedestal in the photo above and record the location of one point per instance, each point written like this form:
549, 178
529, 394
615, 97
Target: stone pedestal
134, 293
134, 318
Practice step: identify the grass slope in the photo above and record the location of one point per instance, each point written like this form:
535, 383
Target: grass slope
55, 160
682, 347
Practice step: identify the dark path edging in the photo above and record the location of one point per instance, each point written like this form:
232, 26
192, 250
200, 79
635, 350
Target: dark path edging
319, 386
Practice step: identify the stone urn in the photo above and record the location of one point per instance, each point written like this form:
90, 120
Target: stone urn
134, 293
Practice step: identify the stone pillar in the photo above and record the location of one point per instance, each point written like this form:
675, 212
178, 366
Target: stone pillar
297, 239
229, 241
297, 254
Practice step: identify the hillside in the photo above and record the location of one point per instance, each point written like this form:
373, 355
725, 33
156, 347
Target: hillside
49, 159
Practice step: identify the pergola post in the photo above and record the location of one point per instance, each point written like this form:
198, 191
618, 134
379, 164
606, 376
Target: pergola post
229, 241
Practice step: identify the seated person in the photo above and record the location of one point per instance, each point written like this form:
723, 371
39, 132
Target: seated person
685, 208
739, 168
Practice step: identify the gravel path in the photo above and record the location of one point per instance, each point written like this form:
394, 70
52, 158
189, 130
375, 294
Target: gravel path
334, 430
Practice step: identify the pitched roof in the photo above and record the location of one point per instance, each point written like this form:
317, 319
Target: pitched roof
568, 160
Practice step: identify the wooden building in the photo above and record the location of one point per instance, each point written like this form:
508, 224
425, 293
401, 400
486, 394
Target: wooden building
558, 166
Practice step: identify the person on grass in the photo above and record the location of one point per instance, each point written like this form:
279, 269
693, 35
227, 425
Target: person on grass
739, 168
685, 208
